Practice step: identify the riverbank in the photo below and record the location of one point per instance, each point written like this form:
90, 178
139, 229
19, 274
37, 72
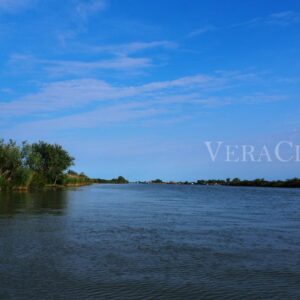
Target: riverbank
50, 186
71, 179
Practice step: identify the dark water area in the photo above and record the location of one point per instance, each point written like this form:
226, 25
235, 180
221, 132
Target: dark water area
150, 242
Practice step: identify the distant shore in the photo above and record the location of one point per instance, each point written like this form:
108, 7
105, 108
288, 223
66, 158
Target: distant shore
79, 181
289, 183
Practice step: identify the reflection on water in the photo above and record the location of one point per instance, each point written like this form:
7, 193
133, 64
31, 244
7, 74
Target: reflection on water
52, 202
150, 242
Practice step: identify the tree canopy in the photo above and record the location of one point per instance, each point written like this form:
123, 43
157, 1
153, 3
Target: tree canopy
50, 161
32, 164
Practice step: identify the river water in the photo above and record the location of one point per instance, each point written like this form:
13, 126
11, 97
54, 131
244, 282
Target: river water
150, 242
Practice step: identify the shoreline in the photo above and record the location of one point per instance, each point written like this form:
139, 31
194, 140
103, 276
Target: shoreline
48, 186
61, 187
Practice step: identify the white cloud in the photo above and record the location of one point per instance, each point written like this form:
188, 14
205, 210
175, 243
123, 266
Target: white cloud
90, 103
73, 94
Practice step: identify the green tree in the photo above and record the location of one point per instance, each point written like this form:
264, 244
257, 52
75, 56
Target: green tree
121, 180
49, 161
11, 164
157, 181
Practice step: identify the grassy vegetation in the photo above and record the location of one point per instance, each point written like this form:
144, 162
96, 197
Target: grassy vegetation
74, 179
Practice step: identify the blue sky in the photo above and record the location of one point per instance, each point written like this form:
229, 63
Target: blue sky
135, 87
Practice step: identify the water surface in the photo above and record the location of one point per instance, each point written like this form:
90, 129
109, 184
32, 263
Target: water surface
150, 242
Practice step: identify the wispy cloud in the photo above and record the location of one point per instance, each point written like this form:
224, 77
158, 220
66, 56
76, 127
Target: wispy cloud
67, 95
129, 48
89, 103
60, 68
114, 114
14, 6
90, 7
202, 30
283, 18
80, 67
111, 57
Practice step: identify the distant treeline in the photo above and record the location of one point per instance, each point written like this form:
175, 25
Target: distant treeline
37, 165
119, 180
289, 183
